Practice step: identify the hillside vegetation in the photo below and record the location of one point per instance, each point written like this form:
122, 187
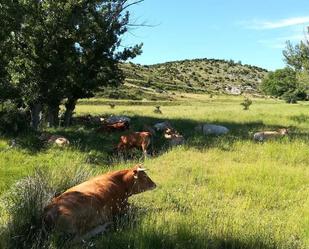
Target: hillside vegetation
198, 75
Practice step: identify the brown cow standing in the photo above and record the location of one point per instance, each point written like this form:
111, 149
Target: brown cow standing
84, 210
135, 140
119, 126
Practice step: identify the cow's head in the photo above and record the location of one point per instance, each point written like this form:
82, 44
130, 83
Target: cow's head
170, 133
44, 136
142, 181
198, 128
283, 131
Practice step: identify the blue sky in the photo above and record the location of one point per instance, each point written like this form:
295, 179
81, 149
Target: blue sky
253, 32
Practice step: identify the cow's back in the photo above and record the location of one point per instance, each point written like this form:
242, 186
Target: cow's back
84, 206
214, 129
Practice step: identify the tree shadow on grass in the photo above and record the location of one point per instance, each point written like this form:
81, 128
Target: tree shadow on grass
101, 146
88, 140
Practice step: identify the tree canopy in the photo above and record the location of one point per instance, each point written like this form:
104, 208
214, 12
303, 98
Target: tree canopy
56, 51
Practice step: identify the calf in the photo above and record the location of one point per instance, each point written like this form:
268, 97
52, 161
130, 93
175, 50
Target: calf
137, 140
174, 137
265, 135
85, 209
54, 139
119, 126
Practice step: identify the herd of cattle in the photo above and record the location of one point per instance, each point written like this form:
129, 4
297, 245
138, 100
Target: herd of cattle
87, 209
142, 139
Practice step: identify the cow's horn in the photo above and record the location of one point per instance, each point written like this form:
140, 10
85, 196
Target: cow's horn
141, 169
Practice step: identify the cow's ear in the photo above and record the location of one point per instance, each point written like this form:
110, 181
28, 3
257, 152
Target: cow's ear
135, 174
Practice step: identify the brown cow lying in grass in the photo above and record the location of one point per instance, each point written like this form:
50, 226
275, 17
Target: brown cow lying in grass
86, 209
174, 137
54, 139
135, 140
266, 135
119, 126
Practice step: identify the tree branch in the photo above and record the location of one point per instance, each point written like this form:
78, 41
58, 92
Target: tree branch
130, 4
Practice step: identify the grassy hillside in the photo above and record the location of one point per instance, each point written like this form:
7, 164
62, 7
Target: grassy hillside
213, 192
199, 75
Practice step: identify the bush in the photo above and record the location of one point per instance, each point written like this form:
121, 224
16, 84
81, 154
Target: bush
290, 97
157, 109
112, 105
246, 103
24, 204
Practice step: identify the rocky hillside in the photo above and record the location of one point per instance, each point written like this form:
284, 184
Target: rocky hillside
198, 75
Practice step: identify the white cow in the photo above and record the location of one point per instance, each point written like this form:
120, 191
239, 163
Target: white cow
116, 119
162, 126
210, 129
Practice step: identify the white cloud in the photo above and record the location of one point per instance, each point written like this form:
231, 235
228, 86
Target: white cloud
280, 42
288, 22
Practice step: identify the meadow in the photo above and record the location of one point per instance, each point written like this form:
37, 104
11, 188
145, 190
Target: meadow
213, 192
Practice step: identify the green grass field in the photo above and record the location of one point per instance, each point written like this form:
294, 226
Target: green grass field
213, 192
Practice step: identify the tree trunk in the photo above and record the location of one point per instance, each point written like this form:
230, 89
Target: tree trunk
35, 115
53, 116
69, 108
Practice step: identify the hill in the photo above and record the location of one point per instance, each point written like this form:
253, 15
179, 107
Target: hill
158, 81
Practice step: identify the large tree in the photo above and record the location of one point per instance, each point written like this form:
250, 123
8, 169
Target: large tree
9, 20
96, 61
292, 82
297, 56
279, 82
64, 50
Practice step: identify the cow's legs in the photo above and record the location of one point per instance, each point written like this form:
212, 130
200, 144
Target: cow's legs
93, 232
144, 151
144, 148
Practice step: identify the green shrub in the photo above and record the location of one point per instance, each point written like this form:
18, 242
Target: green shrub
290, 97
112, 105
246, 103
157, 110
